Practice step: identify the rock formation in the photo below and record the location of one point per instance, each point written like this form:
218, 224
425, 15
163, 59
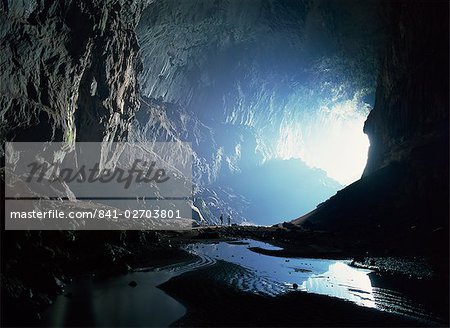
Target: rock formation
231, 82
239, 78
229, 76
402, 199
68, 70
411, 106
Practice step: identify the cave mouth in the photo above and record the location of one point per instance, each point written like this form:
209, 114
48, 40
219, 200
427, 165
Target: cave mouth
330, 139
250, 83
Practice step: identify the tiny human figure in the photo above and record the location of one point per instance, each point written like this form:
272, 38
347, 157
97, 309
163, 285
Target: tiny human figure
221, 219
229, 220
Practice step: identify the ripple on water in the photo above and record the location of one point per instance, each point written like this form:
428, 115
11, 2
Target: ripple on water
270, 275
234, 263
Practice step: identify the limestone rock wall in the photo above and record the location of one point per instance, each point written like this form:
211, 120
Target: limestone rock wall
68, 69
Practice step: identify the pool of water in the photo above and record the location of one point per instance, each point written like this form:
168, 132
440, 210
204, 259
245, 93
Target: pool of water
112, 302
280, 275
271, 275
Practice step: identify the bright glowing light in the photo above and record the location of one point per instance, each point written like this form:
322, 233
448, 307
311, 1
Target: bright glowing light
331, 139
343, 281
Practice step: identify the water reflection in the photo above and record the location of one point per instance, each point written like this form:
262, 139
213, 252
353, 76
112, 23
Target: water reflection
275, 275
271, 275
342, 281
112, 302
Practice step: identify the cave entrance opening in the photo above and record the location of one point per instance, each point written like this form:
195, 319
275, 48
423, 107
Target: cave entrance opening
330, 138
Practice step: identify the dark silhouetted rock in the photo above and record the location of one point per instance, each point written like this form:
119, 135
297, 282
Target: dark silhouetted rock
405, 182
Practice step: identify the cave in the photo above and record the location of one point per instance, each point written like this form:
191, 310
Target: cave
294, 130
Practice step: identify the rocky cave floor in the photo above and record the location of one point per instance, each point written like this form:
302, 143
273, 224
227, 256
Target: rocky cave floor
38, 265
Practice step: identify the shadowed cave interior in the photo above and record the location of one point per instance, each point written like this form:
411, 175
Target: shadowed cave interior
319, 127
